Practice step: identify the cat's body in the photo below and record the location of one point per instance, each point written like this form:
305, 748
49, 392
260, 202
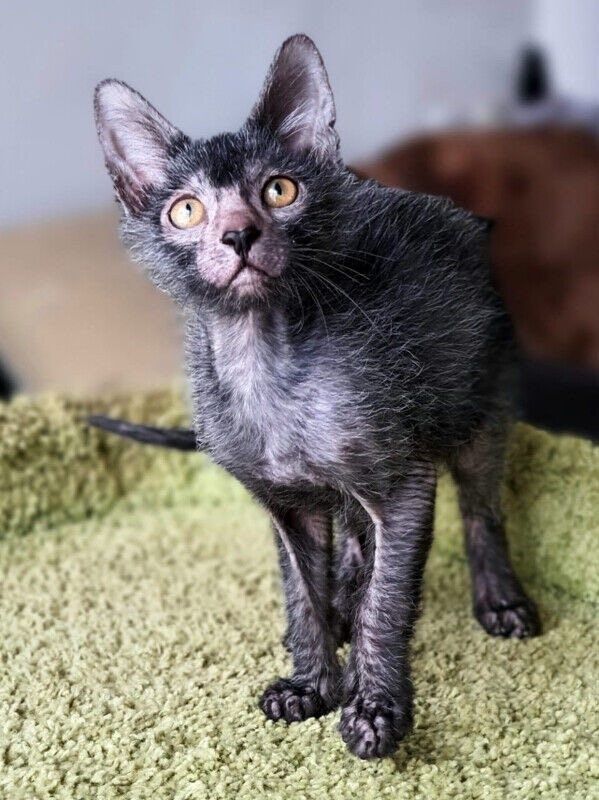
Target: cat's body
352, 345
339, 393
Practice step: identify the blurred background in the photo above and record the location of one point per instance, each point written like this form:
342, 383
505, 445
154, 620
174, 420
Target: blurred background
495, 104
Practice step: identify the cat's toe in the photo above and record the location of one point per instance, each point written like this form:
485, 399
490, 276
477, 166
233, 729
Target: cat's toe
294, 700
517, 619
373, 728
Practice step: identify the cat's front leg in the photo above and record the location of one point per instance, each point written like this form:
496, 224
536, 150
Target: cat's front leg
378, 695
315, 685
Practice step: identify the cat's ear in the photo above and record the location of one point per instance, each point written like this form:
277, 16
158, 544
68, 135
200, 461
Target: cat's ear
296, 103
136, 140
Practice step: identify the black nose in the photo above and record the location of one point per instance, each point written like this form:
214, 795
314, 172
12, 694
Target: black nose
241, 241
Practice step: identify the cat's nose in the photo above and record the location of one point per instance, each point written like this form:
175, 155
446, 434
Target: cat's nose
241, 241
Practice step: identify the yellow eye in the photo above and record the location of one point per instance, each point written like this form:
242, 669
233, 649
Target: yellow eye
279, 192
186, 213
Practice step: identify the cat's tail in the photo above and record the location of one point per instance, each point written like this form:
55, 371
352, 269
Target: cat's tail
177, 438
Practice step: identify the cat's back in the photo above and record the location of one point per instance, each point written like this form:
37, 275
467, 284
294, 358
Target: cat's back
443, 339
429, 268
418, 233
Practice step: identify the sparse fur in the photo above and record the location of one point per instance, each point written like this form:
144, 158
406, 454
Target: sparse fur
375, 351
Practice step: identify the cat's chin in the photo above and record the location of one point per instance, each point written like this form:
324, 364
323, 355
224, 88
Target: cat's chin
249, 289
249, 278
249, 282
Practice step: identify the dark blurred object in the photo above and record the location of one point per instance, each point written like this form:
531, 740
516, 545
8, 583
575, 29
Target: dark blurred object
541, 186
536, 102
560, 398
532, 82
6, 385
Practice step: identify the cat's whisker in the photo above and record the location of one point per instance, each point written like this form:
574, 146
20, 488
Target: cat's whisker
344, 269
350, 254
334, 286
340, 266
318, 305
301, 305
340, 270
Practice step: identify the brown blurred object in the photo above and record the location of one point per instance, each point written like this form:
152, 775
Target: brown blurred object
541, 186
75, 314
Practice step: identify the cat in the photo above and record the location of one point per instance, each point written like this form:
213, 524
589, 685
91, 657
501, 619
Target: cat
344, 341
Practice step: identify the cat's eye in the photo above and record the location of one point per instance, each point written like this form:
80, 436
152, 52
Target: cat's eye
279, 192
186, 213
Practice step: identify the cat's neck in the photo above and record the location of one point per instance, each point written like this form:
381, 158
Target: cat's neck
247, 329
249, 346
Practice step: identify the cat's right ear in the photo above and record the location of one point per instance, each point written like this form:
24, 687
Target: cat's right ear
136, 140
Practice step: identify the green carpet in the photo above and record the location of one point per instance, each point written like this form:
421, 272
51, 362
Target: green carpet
140, 618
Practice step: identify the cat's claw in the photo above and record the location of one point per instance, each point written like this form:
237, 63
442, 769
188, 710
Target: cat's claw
518, 619
294, 700
373, 729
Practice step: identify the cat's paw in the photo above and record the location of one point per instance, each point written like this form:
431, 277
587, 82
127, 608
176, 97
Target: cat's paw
518, 619
372, 728
294, 700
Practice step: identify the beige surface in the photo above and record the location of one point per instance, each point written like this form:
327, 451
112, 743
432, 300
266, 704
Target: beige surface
75, 314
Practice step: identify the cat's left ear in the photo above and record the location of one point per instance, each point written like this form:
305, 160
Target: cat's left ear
296, 103
136, 140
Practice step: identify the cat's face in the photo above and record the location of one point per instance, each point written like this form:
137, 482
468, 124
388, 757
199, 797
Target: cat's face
221, 220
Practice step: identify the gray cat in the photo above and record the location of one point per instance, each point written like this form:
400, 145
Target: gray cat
344, 340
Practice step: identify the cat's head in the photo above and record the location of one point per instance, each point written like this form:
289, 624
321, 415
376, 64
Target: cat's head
221, 220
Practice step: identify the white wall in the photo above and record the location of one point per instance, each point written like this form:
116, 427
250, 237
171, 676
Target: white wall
392, 64
570, 32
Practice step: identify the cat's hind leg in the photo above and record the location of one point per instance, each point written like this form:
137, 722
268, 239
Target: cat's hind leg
351, 566
499, 602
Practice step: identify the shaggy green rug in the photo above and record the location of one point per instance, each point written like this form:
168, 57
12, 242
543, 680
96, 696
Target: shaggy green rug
140, 617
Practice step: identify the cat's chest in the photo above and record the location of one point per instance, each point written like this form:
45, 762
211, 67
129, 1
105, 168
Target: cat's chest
269, 405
